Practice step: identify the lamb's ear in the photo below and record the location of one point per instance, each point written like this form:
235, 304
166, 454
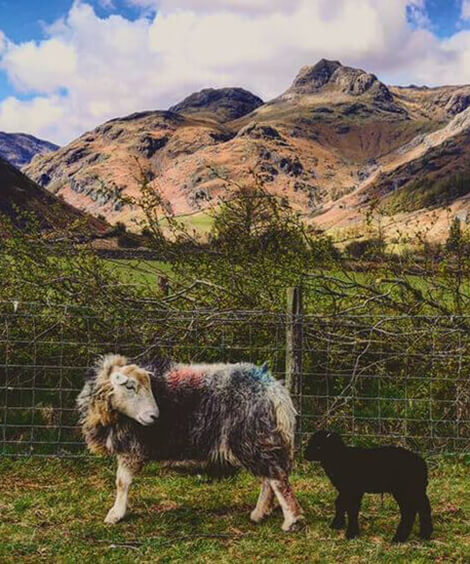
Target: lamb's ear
118, 378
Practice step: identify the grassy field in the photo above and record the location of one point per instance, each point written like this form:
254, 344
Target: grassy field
53, 510
137, 271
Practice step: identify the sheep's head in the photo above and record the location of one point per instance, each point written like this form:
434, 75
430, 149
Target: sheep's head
129, 389
322, 444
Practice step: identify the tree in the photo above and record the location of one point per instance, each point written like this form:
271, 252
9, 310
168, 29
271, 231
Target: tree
455, 238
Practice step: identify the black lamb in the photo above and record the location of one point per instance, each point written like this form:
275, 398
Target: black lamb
354, 471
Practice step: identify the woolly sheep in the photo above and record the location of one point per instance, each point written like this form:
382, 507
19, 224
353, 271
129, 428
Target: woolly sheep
233, 414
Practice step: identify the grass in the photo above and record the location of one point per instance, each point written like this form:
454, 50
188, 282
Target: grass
139, 271
201, 222
53, 510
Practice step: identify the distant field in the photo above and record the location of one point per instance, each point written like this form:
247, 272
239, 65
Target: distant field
136, 271
53, 511
201, 222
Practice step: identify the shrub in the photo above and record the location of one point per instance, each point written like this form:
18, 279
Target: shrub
366, 249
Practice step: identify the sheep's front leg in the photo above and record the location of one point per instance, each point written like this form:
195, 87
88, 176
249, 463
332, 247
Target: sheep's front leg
126, 471
265, 502
339, 521
289, 504
352, 509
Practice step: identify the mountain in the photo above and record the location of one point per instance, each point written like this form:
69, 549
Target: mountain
336, 141
223, 104
19, 149
19, 194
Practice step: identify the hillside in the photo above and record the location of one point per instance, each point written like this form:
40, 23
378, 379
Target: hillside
19, 149
337, 139
19, 194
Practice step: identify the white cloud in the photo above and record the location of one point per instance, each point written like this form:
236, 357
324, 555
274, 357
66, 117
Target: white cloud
243, 6
465, 13
89, 69
3, 42
217, 5
42, 115
43, 67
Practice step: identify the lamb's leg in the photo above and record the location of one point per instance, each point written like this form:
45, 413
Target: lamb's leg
125, 473
353, 506
290, 506
339, 521
265, 502
425, 519
408, 513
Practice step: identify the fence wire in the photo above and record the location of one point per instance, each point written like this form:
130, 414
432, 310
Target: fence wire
376, 379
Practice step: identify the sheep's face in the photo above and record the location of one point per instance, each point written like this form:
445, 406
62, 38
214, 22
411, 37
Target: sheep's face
132, 394
322, 444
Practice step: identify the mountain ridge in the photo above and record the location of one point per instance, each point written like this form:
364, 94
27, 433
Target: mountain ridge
20, 195
19, 149
334, 131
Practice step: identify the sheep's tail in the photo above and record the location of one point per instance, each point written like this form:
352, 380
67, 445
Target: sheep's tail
285, 414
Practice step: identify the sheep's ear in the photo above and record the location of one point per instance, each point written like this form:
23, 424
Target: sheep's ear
118, 378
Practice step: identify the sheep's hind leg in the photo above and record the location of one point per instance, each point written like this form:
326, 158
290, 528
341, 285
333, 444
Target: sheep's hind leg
425, 519
265, 502
293, 517
125, 473
408, 513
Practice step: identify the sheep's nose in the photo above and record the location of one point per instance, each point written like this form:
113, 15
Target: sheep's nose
153, 417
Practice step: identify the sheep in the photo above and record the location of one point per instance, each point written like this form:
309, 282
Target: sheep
354, 471
226, 414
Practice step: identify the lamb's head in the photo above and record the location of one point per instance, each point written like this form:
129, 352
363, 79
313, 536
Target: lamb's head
128, 389
322, 445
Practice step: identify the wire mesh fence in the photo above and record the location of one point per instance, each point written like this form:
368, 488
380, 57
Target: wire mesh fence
376, 379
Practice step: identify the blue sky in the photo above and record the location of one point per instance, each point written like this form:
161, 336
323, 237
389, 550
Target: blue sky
445, 16
24, 20
66, 66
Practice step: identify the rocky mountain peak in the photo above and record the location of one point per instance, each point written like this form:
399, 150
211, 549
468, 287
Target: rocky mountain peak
225, 103
317, 76
347, 80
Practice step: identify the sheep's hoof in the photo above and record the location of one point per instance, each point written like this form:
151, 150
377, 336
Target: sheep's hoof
256, 516
425, 535
112, 517
337, 525
294, 526
398, 539
352, 534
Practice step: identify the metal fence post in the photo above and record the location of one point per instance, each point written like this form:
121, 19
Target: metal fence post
294, 341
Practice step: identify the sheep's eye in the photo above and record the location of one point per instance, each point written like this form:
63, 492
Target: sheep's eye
130, 386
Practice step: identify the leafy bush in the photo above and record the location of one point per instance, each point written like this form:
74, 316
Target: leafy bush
129, 240
366, 249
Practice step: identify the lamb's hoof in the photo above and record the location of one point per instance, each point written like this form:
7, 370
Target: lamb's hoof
352, 534
337, 525
398, 539
294, 526
425, 535
112, 517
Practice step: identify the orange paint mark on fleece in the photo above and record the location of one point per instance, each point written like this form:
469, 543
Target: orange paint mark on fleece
185, 377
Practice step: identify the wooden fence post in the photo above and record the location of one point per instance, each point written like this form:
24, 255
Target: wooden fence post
294, 319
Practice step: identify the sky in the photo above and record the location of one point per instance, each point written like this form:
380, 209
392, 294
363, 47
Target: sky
68, 65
